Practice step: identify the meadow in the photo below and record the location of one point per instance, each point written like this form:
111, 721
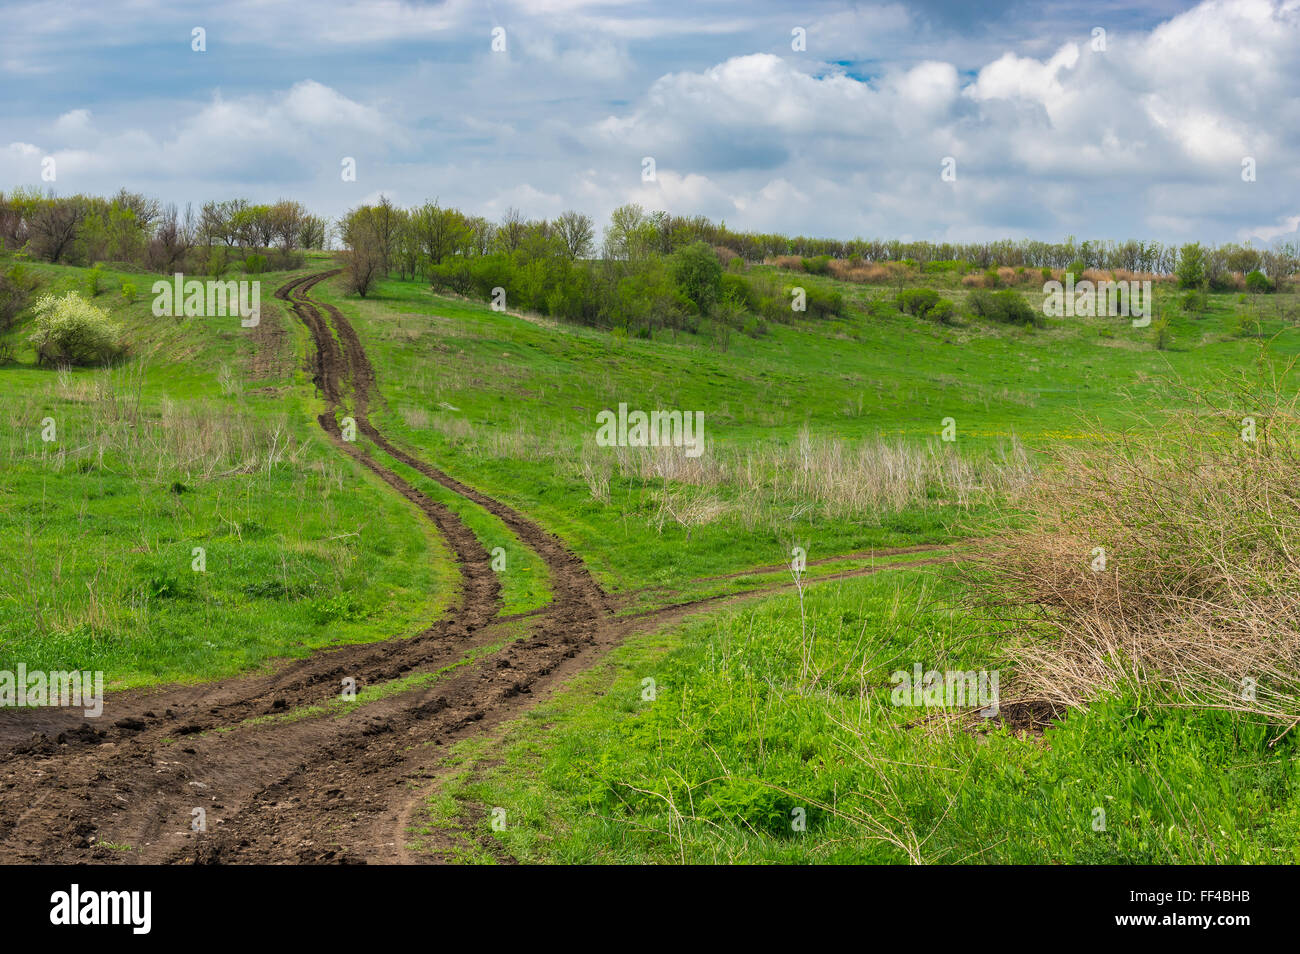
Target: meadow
761, 729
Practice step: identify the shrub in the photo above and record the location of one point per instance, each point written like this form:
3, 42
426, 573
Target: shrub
255, 265
1257, 282
1193, 303
128, 292
821, 265
917, 301
1005, 307
92, 280
942, 311
1162, 334
216, 264
454, 275
70, 330
1199, 593
822, 302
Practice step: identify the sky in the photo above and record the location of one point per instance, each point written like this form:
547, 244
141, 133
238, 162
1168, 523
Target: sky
1164, 120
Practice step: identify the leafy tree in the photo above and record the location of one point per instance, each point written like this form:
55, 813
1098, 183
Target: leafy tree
1191, 266
698, 275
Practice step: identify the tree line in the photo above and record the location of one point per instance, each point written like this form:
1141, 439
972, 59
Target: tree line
133, 229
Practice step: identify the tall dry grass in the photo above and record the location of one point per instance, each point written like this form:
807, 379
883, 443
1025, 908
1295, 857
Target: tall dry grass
832, 477
1194, 595
104, 417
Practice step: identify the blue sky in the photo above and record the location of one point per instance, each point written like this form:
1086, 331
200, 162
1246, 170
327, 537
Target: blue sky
1050, 132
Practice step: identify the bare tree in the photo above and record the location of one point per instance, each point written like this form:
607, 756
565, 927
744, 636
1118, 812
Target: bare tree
54, 227
363, 258
511, 231
578, 233
172, 239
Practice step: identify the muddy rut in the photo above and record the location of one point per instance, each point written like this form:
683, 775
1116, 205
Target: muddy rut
275, 771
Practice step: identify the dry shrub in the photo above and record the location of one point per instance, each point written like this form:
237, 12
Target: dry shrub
975, 280
1198, 602
871, 273
725, 255
786, 261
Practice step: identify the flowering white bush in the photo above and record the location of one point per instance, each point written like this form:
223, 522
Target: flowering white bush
70, 330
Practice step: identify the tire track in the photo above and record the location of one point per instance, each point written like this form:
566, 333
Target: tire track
331, 786
273, 786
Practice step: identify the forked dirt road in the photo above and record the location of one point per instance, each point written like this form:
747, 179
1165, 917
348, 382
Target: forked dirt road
278, 781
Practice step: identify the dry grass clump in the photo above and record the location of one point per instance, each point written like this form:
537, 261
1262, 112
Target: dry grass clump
833, 477
104, 417
1166, 563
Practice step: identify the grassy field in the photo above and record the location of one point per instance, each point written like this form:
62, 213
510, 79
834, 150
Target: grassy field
825, 435
184, 446
771, 738
769, 734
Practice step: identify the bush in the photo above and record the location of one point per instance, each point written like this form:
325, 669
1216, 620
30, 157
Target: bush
255, 265
70, 330
942, 311
1006, 307
128, 292
821, 265
1193, 303
1257, 282
917, 301
92, 280
822, 302
216, 264
454, 275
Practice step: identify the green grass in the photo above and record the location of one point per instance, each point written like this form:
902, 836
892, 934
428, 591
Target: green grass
760, 709
168, 452
509, 406
743, 733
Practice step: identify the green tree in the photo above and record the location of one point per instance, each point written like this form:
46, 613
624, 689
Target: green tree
698, 274
1191, 266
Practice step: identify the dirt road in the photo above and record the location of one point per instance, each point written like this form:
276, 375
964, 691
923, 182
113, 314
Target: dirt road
279, 770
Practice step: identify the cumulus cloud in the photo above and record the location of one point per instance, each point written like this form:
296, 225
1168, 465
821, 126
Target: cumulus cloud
1050, 134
